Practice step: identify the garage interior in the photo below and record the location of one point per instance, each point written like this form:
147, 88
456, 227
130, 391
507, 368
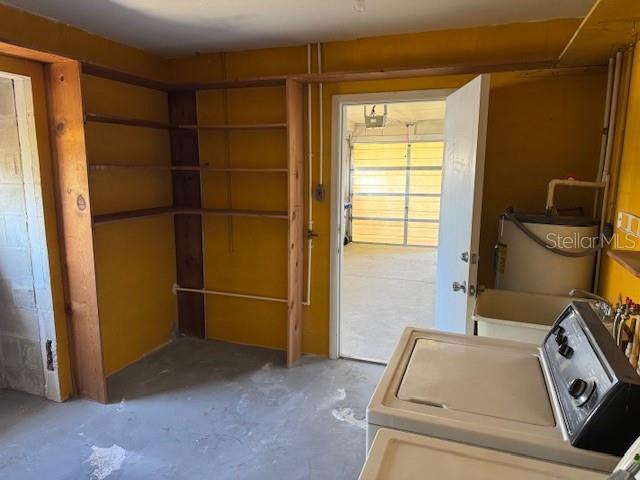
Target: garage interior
166, 229
392, 208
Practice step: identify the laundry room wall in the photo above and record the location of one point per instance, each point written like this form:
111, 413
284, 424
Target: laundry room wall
135, 258
542, 125
615, 280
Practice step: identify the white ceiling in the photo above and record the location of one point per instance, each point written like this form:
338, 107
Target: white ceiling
401, 113
178, 27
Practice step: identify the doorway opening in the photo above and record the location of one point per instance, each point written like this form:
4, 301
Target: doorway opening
27, 332
391, 174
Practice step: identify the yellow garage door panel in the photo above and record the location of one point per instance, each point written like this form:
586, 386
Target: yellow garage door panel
425, 181
422, 234
427, 154
377, 181
424, 208
392, 185
367, 155
378, 231
378, 206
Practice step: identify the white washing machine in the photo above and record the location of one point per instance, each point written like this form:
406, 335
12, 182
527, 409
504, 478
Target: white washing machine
575, 400
399, 455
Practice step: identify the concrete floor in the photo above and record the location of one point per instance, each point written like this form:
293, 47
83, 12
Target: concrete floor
198, 410
385, 288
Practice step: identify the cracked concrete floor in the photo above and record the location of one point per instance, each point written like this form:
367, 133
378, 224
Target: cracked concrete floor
198, 410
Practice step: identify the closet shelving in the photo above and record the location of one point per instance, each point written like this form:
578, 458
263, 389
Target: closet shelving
187, 210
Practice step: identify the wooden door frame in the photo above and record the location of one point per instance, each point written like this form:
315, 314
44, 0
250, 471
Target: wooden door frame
336, 227
73, 211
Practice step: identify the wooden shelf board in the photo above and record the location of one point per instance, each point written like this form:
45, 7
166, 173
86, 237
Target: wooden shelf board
609, 26
234, 213
148, 212
116, 166
109, 73
119, 120
628, 259
244, 170
183, 168
256, 126
117, 216
135, 122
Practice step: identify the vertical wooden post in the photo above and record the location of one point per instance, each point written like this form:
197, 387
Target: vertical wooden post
295, 162
188, 227
66, 119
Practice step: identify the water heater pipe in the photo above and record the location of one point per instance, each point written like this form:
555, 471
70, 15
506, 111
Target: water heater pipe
605, 176
307, 300
550, 207
605, 130
320, 115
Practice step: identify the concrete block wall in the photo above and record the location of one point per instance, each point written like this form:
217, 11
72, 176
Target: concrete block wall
25, 292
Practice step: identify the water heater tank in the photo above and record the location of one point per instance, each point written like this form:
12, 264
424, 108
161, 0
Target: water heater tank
524, 265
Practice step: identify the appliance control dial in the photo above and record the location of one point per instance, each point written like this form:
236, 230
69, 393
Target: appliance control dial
581, 390
565, 350
561, 338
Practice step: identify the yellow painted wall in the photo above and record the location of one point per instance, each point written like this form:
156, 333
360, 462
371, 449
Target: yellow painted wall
230, 257
615, 280
135, 259
541, 126
31, 31
36, 73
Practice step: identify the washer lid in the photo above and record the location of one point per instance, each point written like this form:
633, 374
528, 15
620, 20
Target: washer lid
405, 456
477, 379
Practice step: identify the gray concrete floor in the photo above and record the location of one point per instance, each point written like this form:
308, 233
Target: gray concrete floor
198, 410
385, 288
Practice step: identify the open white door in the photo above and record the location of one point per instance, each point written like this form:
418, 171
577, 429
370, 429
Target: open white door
460, 205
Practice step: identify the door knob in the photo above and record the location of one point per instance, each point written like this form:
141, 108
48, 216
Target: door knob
460, 286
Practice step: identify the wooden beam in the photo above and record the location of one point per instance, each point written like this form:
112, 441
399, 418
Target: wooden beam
74, 214
295, 280
13, 50
187, 226
611, 25
388, 74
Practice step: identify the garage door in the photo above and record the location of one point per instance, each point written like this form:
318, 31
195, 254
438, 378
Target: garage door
395, 193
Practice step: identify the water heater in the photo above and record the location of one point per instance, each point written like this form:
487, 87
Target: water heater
524, 264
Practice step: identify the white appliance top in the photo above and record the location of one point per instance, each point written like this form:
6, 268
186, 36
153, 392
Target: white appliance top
499, 398
488, 381
403, 456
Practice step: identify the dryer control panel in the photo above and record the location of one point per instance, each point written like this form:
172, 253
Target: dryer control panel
598, 390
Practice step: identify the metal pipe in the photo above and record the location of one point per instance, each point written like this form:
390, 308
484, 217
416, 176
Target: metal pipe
307, 301
320, 115
605, 130
228, 294
567, 183
625, 85
605, 177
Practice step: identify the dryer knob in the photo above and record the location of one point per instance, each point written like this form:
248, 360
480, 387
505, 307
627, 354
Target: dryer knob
560, 339
577, 387
565, 350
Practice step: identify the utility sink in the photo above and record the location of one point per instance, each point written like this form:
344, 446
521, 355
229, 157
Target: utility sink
521, 316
